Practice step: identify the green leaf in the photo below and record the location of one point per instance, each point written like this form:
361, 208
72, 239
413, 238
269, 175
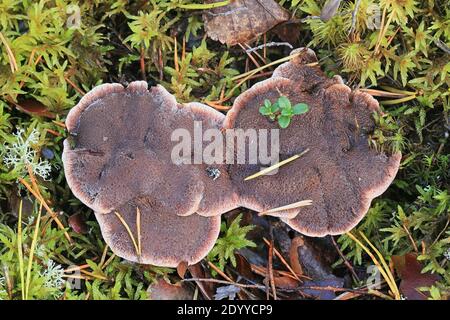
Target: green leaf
267, 103
275, 107
300, 108
284, 102
284, 121
287, 112
264, 111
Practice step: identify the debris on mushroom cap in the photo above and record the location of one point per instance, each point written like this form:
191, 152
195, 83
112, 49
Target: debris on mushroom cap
121, 147
166, 239
241, 21
340, 173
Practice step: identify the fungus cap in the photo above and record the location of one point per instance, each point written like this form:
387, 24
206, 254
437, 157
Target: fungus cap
340, 173
165, 238
121, 147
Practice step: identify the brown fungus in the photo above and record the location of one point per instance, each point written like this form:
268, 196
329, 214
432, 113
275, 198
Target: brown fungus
164, 238
152, 208
340, 173
241, 21
119, 157
122, 148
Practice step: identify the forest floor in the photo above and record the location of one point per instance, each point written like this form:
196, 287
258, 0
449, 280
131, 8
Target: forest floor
53, 52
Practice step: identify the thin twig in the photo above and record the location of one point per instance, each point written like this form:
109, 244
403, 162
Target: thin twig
410, 238
250, 56
270, 266
278, 254
270, 44
74, 86
346, 262
250, 286
225, 276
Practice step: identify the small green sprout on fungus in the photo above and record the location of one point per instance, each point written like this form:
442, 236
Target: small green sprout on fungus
282, 110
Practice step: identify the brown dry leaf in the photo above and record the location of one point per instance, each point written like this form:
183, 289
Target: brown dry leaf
289, 31
294, 256
35, 108
162, 290
206, 288
282, 279
242, 20
78, 223
243, 267
182, 268
410, 271
286, 283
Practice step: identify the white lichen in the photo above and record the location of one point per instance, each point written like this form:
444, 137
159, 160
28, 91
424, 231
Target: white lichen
447, 254
54, 275
21, 154
2, 287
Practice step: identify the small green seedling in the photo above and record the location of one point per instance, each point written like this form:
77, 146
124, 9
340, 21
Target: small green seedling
282, 110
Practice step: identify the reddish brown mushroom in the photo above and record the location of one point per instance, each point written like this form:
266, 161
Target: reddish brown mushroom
241, 21
119, 157
340, 173
165, 239
121, 147
157, 209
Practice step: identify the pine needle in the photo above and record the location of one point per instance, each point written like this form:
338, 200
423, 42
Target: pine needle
204, 6
299, 204
387, 278
12, 59
20, 252
31, 256
385, 265
37, 194
138, 227
129, 231
275, 166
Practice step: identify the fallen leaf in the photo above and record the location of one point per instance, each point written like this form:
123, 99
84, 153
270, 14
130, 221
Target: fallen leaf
78, 224
284, 282
206, 288
14, 201
35, 108
410, 271
330, 9
289, 31
311, 257
243, 267
323, 289
162, 290
242, 20
182, 268
294, 256
228, 292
